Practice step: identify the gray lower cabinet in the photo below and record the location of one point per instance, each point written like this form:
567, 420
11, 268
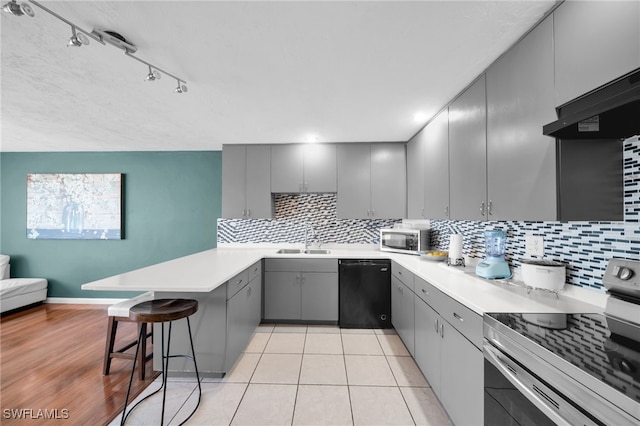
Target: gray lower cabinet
402, 304
222, 327
301, 290
243, 316
448, 355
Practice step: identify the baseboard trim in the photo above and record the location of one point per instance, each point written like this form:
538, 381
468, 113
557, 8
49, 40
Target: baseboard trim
82, 301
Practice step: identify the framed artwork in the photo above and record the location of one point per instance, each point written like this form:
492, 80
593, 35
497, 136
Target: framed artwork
74, 206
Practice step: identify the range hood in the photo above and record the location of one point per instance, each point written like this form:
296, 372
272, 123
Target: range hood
608, 112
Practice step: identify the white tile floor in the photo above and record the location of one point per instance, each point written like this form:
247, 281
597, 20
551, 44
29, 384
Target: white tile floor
299, 375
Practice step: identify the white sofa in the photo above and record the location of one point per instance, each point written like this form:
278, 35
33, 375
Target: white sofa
18, 292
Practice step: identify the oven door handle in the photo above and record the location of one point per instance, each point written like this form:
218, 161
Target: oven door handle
492, 355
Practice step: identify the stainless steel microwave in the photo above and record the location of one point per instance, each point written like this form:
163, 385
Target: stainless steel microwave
411, 241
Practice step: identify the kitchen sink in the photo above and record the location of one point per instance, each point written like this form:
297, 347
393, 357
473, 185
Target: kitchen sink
317, 251
300, 251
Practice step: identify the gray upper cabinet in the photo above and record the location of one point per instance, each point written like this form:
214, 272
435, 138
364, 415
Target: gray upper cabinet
388, 180
415, 176
372, 181
595, 42
320, 168
354, 181
436, 167
245, 181
468, 154
303, 168
287, 168
428, 171
521, 165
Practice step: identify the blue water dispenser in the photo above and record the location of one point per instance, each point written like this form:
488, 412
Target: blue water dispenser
493, 266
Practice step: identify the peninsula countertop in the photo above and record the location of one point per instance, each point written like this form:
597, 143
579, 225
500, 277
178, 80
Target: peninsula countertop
207, 270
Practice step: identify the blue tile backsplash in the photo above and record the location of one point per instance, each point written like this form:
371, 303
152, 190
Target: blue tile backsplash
585, 247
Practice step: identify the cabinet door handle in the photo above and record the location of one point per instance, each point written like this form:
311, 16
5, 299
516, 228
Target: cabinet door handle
300, 187
302, 279
458, 317
373, 212
306, 186
482, 208
436, 325
239, 282
248, 212
425, 291
446, 211
244, 214
490, 207
422, 212
249, 292
442, 330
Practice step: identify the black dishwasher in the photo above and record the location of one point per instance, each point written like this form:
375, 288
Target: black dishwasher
365, 293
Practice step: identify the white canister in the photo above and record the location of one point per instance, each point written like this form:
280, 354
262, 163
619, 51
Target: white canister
455, 247
544, 274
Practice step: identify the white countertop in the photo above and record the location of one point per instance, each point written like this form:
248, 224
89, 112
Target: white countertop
207, 270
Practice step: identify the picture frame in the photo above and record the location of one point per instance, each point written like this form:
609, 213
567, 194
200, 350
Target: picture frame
74, 206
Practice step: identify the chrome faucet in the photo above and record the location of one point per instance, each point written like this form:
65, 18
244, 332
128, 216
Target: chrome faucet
308, 228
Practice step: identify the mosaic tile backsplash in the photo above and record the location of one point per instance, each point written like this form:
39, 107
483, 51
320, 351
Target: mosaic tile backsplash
585, 247
292, 211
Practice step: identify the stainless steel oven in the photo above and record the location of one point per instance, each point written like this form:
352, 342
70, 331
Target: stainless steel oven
566, 369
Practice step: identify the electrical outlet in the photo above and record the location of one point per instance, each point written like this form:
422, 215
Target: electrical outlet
534, 245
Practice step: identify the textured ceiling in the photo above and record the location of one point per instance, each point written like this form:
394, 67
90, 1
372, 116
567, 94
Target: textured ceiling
257, 72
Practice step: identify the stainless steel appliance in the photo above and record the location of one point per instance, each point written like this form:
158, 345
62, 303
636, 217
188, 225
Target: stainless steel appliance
411, 241
365, 293
567, 368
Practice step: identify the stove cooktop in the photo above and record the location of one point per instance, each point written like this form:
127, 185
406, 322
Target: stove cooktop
595, 343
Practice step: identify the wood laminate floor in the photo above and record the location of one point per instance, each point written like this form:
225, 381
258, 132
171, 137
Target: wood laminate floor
51, 366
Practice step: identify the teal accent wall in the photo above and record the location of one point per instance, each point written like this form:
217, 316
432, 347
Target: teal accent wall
171, 204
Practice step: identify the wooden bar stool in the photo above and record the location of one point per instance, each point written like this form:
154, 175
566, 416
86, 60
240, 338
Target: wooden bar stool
119, 312
162, 311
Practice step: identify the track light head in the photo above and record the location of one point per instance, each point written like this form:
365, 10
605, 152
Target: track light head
77, 39
153, 75
16, 9
181, 88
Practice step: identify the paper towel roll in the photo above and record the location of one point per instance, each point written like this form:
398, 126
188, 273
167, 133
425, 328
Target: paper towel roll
455, 247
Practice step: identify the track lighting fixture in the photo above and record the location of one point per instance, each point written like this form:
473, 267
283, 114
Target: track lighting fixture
77, 39
16, 9
181, 88
153, 75
80, 37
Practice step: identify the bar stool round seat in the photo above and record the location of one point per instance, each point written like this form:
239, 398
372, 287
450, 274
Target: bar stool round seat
163, 311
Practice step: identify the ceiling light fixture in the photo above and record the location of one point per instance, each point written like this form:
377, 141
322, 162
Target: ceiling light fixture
16, 9
80, 37
181, 89
419, 117
77, 39
153, 75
